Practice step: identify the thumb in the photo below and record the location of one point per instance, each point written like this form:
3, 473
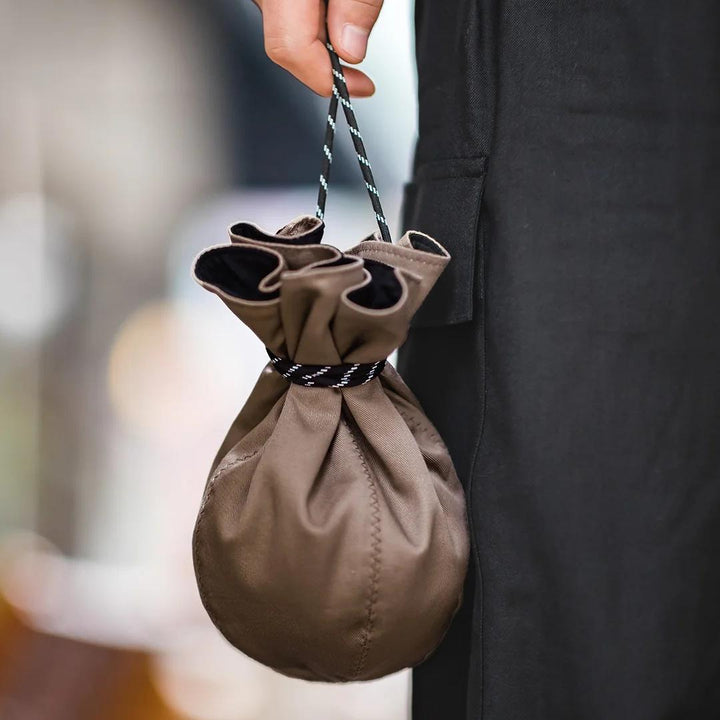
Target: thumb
349, 24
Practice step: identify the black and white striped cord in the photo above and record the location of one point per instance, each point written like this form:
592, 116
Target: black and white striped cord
327, 157
329, 376
340, 96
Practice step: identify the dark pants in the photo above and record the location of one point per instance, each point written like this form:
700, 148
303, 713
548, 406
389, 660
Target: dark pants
569, 160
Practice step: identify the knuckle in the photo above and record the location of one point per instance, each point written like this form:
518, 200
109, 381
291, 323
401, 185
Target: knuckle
278, 52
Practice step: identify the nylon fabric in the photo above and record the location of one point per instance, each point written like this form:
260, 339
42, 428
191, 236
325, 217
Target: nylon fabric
332, 539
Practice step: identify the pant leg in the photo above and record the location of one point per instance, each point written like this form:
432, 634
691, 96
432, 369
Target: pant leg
595, 488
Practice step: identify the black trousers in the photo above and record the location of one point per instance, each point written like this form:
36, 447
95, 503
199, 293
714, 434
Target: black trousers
569, 159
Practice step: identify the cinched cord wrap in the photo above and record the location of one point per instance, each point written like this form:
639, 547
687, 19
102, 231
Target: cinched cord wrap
332, 376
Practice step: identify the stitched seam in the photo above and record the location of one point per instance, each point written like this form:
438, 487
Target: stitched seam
390, 252
375, 553
204, 595
481, 232
415, 424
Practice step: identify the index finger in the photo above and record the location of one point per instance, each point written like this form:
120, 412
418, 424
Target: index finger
294, 33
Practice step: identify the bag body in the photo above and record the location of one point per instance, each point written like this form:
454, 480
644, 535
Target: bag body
331, 544
332, 539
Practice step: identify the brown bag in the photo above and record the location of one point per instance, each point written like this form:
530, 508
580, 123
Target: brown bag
332, 542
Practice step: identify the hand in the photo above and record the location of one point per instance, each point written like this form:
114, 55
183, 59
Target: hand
295, 39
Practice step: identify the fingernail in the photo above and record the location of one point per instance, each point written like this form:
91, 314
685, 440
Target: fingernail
354, 40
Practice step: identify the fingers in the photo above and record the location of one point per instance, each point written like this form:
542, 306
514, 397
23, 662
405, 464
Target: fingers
350, 23
358, 83
294, 32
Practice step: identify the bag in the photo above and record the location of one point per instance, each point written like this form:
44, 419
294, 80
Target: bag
332, 541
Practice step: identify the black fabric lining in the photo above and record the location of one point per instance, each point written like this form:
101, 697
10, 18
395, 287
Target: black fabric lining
306, 237
420, 242
237, 270
382, 292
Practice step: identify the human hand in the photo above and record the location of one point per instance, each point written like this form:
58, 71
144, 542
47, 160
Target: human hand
294, 33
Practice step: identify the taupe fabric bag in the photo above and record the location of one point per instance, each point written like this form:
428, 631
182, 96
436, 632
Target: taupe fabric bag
331, 543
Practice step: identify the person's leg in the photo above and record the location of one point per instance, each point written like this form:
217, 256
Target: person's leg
595, 496
440, 684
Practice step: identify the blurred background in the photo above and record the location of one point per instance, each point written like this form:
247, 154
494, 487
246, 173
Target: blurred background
132, 133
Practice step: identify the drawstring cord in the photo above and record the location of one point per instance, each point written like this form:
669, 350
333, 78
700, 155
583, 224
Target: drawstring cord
340, 96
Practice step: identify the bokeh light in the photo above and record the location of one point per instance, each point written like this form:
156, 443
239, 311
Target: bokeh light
133, 134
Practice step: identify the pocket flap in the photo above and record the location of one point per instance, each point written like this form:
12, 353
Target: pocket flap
443, 200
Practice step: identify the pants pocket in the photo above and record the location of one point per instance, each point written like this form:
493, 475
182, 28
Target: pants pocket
443, 200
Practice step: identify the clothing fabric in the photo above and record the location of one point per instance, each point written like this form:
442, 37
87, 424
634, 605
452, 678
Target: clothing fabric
568, 158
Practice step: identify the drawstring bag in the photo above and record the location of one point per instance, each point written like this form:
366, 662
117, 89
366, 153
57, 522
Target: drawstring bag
331, 543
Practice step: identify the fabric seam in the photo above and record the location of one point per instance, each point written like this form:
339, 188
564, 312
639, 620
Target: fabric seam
375, 552
474, 546
391, 253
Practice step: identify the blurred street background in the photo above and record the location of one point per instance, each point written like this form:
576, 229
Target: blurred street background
132, 134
